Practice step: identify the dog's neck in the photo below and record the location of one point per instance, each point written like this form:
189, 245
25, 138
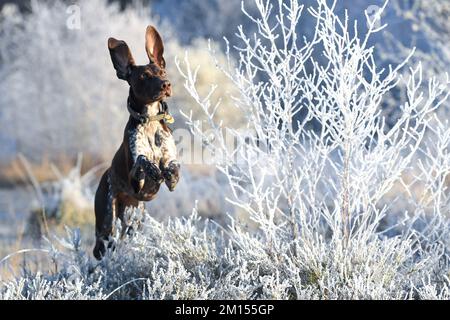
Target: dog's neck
143, 109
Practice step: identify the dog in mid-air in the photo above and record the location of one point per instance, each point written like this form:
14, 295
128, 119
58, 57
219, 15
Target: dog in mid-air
147, 156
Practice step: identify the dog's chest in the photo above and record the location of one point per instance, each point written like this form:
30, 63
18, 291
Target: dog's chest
146, 139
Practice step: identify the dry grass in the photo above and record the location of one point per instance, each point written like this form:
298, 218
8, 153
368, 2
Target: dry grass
13, 173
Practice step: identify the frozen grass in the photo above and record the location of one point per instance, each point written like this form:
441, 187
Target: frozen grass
188, 258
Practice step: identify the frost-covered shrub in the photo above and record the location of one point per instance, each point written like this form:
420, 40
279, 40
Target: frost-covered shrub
208, 75
187, 258
39, 287
326, 227
429, 30
329, 188
425, 27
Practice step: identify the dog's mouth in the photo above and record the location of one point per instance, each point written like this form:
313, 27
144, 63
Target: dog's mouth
167, 92
162, 95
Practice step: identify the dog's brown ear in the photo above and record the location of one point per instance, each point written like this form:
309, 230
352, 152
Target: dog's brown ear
121, 57
154, 46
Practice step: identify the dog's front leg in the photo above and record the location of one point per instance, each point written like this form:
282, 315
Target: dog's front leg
169, 163
140, 152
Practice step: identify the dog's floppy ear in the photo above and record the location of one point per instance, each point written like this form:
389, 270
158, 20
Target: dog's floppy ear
154, 46
121, 57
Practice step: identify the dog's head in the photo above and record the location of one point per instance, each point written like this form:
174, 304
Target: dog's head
148, 82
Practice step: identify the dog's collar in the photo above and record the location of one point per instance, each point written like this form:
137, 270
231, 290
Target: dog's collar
144, 118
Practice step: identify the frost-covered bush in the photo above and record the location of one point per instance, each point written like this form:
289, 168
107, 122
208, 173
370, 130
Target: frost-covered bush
425, 27
187, 258
327, 191
429, 30
59, 93
326, 224
182, 259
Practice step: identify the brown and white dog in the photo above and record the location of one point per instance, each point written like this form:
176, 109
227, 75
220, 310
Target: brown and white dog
147, 156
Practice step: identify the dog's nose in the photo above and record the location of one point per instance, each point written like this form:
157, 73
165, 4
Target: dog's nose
166, 88
165, 85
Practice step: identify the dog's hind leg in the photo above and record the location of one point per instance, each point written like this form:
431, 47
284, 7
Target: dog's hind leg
105, 214
124, 202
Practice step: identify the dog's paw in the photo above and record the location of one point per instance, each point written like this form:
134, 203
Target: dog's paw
143, 170
146, 168
151, 170
171, 174
101, 246
99, 250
